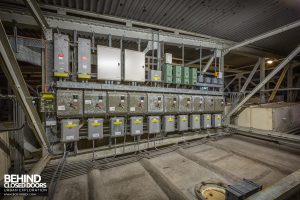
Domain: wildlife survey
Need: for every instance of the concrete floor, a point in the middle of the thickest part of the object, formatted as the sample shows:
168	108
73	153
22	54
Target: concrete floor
174	175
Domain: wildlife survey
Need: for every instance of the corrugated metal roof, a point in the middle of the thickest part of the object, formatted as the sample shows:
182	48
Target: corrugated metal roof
229	19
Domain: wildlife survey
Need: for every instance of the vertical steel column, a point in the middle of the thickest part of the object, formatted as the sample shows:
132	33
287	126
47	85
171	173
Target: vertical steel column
290	84
262	77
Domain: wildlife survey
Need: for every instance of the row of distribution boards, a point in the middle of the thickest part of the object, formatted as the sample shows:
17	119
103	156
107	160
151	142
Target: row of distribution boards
76	103
154	125
115	64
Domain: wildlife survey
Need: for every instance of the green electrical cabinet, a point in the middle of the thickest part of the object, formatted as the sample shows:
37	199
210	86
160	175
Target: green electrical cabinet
177	74
193	76
167	73
185	75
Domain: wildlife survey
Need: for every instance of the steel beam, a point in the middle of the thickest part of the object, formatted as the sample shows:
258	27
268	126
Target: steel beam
262	83
208	64
278	83
37	14
198	60
13	73
262	75
264	35
251	75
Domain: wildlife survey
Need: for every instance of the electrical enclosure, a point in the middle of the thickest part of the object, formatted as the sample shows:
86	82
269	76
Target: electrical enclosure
219	104
134	66
108	63
154	76
94	103
167	73
182	122
170	103
84	58
154	124
69	103
117	126
168	123
138	103
117	102
61	55
69	130
195	122
95	128
185	103
206	121
136	126
198	104
209	104
155	103
216	120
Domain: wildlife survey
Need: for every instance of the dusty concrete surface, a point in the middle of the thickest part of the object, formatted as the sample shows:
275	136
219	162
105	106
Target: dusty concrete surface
224	160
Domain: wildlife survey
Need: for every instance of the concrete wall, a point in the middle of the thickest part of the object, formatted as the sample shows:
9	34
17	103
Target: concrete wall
279	117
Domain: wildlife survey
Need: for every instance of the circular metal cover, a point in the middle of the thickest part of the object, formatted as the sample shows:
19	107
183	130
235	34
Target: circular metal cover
210	191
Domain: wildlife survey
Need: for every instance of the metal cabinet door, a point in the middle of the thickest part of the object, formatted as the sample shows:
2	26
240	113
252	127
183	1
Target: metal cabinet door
108	63
134	66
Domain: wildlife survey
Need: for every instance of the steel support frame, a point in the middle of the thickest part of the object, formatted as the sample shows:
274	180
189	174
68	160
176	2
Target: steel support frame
209	62
263	82
251	75
13	73
264	35
262	75
37	14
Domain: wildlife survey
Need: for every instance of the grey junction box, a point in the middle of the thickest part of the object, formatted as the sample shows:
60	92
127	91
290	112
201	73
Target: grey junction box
137	103
183	122
185	103
69	103
219	104
94	103
95	128
198	104
209	104
154	76
69	130
117	102
170	103
117	126
154	124
168	123
136	126
195	122
84	58
216	120
206	121
155	103
61	55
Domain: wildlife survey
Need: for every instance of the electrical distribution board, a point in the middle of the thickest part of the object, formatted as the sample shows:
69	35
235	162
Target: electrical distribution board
167	73
182	122
209	104
185	75
168	123
117	102
134	66
193	76
69	130
84	58
95	128
206	121
198	104
61	55
117	126
94	103
185	103
216	120
168	58
170	103
155	103
136	126
47	102
219	104
154	124
154	75
195	122
69	103
108	63
177	74
137	103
